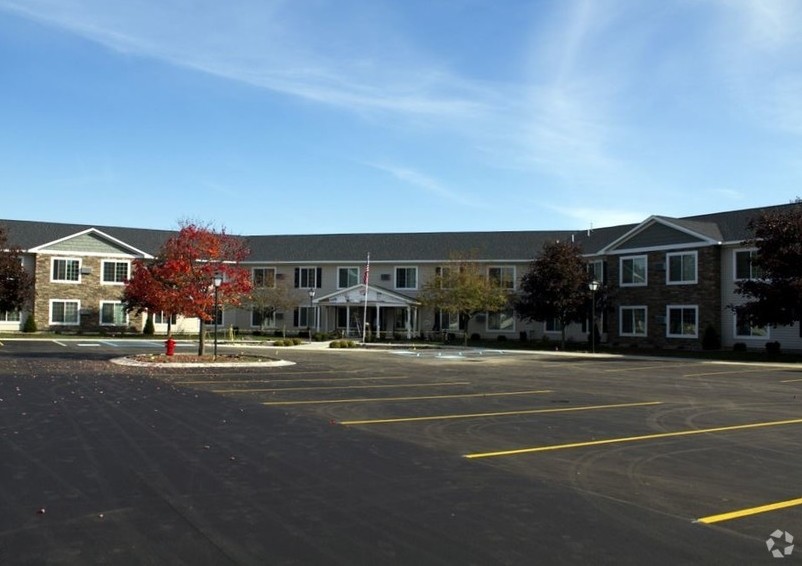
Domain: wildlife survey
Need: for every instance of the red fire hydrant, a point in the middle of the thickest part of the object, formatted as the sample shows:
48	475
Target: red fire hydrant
170	345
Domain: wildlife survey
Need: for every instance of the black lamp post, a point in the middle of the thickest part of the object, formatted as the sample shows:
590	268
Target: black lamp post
218	280
308	322
593	286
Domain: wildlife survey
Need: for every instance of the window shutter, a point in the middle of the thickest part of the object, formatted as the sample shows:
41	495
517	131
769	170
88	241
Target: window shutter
319	277
295	312
297	278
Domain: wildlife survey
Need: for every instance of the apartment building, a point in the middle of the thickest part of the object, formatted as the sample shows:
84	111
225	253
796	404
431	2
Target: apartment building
666	280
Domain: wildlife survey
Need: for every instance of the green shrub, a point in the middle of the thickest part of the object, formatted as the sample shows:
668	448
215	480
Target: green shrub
296	341
342	344
149	329
30	324
772	347
739	347
711	339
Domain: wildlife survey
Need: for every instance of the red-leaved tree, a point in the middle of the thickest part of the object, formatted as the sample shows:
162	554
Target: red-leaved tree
179	281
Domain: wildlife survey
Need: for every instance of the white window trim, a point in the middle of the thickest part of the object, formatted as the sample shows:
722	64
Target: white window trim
695	280
395	276
4	316
66	281
100	314
501	330
164	317
547	331
271	319
502	267
737	336
309	269
253	277
668	321
621	271
621	310
358	271
103	271
50	312
735	264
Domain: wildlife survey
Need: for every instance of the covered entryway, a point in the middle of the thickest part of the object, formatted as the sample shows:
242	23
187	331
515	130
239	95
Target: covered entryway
389	314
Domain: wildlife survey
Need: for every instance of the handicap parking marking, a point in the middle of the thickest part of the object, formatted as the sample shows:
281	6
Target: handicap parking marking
709	520
656	436
498	414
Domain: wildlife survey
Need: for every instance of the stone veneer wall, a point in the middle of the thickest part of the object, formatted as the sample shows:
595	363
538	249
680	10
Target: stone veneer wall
89	291
657	295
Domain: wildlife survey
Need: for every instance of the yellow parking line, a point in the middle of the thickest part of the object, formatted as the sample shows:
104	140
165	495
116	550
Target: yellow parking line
499	414
629	439
310	380
379	399
724	372
747	512
318	388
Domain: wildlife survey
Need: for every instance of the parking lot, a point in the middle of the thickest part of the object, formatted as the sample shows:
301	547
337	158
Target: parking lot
417	456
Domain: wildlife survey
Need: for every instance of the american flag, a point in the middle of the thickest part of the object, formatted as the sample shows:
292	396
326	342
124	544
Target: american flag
366	275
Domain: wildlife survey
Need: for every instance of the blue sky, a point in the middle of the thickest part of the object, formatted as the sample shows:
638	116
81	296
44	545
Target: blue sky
333	116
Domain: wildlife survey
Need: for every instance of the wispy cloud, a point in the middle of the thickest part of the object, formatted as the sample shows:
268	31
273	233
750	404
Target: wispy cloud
262	43
427	183
757	45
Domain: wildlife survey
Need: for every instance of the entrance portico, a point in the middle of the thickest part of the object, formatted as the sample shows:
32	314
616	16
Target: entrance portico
388	312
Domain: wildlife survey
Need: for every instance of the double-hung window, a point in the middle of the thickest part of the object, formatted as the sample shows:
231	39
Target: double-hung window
263	318
683	321
501	321
112	313
681	268
65	270
304	317
307	277
406	277
503	276
65	312
596	269
10	316
633	321
115	272
347	277
552	325
633	271
264	277
744	265
743	329
162	318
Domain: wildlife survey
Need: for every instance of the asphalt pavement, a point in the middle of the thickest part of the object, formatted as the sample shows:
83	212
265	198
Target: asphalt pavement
396	457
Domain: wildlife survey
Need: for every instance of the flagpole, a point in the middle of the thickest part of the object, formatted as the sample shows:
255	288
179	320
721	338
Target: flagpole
366	279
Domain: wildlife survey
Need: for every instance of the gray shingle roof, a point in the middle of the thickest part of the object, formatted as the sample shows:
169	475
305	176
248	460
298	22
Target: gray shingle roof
432	246
28	234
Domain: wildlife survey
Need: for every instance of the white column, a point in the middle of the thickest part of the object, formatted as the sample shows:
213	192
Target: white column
348	320
376	327
409	323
